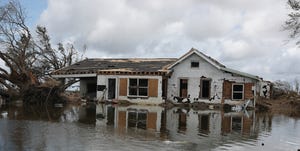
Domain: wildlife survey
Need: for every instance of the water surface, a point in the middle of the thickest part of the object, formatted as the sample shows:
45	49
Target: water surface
108	127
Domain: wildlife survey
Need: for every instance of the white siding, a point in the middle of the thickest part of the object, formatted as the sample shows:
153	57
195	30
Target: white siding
184	70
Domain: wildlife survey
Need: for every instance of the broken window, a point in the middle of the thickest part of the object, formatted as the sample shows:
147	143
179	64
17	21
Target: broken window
138	87
194	64
237	91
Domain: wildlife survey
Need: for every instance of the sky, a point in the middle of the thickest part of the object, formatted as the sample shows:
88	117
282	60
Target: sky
245	35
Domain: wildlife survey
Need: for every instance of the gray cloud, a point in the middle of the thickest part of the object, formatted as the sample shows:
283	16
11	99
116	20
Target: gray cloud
244	35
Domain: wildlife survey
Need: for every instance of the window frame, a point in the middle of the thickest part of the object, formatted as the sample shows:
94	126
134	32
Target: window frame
242	92
138	87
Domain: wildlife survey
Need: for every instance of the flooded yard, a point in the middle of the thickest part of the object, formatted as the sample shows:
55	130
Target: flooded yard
109	127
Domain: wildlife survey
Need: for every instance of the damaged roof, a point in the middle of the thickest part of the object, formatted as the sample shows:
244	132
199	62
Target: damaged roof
95	65
144	66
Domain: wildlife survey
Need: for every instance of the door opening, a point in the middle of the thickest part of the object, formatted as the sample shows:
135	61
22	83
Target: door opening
205	88
111	88
183	88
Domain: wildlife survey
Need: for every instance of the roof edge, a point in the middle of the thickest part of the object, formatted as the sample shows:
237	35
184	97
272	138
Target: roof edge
241	73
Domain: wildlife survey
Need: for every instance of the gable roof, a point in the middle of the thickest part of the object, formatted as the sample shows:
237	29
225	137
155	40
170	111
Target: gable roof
213	62
209	59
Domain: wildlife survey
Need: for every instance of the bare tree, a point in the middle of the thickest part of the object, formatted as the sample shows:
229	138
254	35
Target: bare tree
292	24
17	48
28	60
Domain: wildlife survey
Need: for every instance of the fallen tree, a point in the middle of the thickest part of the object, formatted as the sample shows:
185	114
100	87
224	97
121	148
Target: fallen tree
29	60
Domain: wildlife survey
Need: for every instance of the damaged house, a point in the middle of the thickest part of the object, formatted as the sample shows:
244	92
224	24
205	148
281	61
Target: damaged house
194	76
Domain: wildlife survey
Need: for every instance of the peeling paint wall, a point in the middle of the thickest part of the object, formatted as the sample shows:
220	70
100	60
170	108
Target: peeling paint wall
183	70
265	89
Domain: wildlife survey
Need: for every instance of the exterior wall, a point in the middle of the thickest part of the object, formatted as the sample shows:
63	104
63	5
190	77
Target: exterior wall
183	70
154	83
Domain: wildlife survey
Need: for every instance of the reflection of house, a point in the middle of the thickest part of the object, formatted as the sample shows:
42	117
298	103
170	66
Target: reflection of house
195	76
193	124
204	127
147	118
237	122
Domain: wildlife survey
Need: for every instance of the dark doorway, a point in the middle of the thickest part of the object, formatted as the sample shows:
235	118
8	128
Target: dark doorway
205	88
164	87
183	88
91	90
111	88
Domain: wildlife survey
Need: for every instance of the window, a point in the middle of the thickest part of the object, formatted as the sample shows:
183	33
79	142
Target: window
194	64
138	87
237	91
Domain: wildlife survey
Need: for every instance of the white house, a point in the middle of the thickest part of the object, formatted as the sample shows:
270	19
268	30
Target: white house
194	76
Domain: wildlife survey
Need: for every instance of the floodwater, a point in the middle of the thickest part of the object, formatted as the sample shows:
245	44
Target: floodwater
107	127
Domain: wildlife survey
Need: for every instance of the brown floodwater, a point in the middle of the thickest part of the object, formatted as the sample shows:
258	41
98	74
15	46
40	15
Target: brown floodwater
108	127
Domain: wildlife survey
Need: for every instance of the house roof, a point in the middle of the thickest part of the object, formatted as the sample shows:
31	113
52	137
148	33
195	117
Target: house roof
241	73
202	55
145	66
142	65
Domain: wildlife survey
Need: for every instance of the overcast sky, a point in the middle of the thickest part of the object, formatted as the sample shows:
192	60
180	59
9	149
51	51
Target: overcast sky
245	35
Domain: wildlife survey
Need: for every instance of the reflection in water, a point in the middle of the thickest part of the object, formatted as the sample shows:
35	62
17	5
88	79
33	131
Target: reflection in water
141	128
181	120
131	117
110	115
137	118
87	114
203	123
33	112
